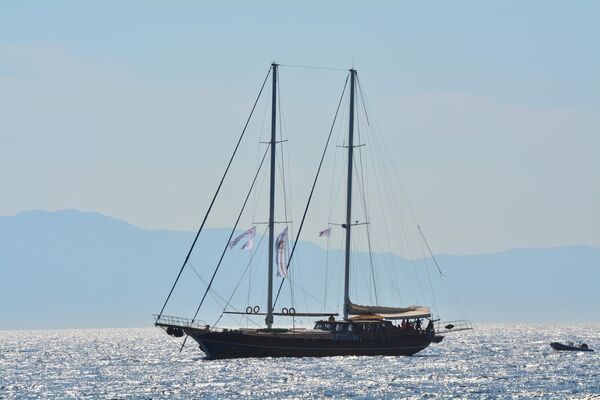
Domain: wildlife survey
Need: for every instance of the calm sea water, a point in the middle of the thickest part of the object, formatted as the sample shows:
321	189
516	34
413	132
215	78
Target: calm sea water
493	361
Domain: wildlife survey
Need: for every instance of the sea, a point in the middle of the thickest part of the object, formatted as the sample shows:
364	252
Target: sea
490	362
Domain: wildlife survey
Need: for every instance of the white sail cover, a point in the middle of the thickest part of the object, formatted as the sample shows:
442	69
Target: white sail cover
390	312
419	312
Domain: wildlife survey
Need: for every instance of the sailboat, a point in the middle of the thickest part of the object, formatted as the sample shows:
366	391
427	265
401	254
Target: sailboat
362	330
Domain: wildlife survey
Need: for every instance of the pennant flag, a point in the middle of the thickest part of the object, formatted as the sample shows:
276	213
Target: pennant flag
249	244
250	232
280	245
325	232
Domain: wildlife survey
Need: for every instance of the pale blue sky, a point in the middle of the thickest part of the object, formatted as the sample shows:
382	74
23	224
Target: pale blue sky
130	108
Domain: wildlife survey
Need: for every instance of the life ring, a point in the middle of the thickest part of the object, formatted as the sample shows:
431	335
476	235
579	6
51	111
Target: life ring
248	310
292	310
256	309
284	311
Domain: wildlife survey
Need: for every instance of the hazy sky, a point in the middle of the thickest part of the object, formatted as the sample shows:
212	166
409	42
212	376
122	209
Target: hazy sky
492	110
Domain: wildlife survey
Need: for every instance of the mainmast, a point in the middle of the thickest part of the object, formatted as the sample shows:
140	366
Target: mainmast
269	318
348	223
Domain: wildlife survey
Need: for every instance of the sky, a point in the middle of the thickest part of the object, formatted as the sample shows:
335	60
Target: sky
491	111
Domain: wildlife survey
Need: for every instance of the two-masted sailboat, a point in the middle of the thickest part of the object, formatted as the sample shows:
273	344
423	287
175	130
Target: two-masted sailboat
362	330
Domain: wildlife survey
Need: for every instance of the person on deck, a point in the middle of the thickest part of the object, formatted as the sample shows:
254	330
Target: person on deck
429	328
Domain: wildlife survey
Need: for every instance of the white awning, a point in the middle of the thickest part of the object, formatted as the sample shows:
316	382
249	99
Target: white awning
420	312
390	312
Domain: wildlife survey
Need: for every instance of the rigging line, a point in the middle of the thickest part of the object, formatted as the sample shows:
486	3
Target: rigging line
220	298
396	208
215	196
362	100
386	175
370	247
385	218
338	265
397	175
430	252
313	67
231	317
454	299
281	158
246	270
427	268
228	240
299	287
362	190
444	281
329	218
262	125
231	234
326	271
281	164
406	198
334	194
312	190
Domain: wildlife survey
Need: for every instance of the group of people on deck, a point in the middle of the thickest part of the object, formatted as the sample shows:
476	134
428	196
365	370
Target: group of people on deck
416	325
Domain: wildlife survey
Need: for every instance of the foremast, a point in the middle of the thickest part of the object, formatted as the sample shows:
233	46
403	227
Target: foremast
269	317
348	223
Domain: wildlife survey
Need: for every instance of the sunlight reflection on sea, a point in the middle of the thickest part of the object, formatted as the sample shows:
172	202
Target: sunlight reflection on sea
493	361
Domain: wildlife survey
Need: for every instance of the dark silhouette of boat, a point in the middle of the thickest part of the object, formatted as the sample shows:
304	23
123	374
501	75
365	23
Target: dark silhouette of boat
437	338
338	338
569	347
363	331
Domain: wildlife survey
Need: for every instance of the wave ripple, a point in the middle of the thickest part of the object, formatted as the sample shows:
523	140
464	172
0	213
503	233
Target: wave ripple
494	361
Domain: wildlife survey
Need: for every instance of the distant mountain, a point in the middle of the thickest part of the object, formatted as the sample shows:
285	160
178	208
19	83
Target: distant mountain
78	269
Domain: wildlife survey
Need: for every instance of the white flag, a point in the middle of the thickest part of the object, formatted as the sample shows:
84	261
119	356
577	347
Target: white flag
280	244
325	232
249	244
250	232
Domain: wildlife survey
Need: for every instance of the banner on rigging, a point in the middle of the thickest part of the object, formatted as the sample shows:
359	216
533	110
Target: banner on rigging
280	245
325	232
249	244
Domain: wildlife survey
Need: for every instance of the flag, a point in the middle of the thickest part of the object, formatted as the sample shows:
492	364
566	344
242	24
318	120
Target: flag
280	245
250	232
249	244
325	232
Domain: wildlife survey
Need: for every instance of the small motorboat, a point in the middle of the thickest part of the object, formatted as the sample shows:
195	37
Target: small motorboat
570	347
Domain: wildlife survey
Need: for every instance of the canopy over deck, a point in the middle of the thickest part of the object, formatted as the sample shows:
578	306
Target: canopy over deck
389	312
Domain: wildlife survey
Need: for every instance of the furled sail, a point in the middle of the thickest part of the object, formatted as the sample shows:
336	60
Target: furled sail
390	312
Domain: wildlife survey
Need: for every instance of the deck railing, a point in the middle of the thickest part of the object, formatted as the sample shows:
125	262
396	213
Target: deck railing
453	326
178	321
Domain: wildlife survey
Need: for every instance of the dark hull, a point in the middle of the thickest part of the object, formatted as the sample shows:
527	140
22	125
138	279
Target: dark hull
564	347
240	344
437	338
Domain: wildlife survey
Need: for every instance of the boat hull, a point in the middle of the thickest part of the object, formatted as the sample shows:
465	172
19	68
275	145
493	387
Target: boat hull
563	347
241	344
437	338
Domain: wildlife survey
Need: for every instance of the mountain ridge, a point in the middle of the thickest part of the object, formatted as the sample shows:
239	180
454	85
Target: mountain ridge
69	268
